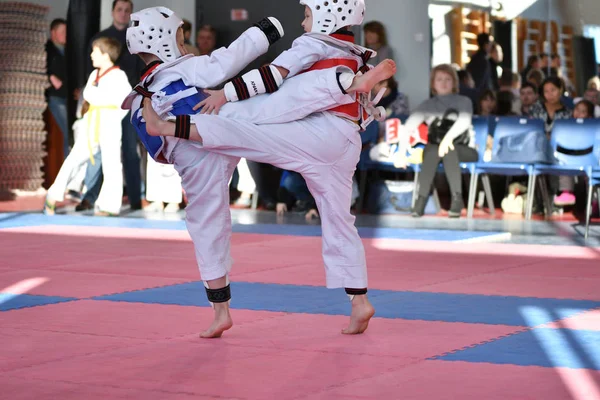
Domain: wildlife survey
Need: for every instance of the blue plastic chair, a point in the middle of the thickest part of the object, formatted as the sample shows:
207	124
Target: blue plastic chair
576	147
508	126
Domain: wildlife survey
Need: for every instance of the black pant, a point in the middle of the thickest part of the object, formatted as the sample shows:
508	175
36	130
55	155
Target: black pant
452	160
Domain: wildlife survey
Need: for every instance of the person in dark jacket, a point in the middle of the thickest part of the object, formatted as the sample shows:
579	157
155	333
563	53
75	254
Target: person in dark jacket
56	69
479	66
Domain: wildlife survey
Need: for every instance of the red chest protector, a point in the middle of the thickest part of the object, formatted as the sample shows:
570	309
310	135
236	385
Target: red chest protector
351	111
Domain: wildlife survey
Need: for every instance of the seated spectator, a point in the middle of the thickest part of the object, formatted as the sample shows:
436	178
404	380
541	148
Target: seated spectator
594	83
505	104
293	194
533	62
528	96
376	39
511	82
591	96
549	109
584	109
393	101
448	115
550	106
486	104
536	77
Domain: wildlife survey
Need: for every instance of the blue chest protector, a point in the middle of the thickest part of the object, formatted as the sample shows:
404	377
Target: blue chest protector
154	144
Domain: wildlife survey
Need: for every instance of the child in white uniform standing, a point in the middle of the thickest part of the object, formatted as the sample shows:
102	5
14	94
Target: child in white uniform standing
105	90
323	147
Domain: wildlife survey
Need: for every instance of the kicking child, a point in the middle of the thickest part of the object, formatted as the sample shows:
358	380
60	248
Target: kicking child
323	147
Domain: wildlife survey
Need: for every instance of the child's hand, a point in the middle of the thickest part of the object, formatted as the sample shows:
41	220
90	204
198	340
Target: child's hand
213	102
281	209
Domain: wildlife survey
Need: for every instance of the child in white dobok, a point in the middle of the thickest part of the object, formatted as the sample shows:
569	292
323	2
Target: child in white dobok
105	90
324	147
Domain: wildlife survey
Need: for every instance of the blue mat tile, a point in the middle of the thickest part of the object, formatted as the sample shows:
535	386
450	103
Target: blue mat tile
477	309
10	301
542	347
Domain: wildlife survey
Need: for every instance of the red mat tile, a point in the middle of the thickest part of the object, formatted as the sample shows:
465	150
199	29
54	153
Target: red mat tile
385	337
54	256
133	320
83	284
578	269
459	380
524	286
29	347
27	389
214	368
155	266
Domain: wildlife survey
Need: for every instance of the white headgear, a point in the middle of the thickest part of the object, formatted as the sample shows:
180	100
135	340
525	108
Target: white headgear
154	31
331	15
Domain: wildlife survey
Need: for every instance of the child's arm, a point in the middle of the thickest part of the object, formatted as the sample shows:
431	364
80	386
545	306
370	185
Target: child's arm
305	51
226	62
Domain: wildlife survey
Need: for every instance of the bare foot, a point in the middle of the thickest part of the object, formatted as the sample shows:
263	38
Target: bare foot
362	311
221	323
365	83
153	122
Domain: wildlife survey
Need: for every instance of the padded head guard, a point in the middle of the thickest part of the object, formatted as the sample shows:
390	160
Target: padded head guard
154	31
331	15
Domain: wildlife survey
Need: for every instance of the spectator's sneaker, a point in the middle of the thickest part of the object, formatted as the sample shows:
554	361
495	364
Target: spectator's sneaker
49	207
565	199
172	208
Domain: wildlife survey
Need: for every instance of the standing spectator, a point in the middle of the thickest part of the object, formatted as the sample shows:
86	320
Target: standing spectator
466	86
376	39
496	57
479	66
132	66
56	68
206	40
187	35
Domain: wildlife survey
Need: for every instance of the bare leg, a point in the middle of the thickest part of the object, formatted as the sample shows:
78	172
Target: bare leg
364	83
222	321
362	312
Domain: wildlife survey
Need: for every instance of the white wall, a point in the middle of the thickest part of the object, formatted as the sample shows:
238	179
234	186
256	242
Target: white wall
184	8
58	8
407	24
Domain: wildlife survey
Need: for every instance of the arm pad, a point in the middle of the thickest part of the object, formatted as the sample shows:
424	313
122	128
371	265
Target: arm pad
266	79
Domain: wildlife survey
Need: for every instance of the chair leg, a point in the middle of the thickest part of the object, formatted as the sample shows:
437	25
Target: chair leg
415	190
436	200
255	200
546	197
530	196
588	210
472	193
487	187
361	191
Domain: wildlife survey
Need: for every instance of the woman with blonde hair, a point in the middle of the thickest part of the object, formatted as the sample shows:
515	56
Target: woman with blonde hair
450	141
